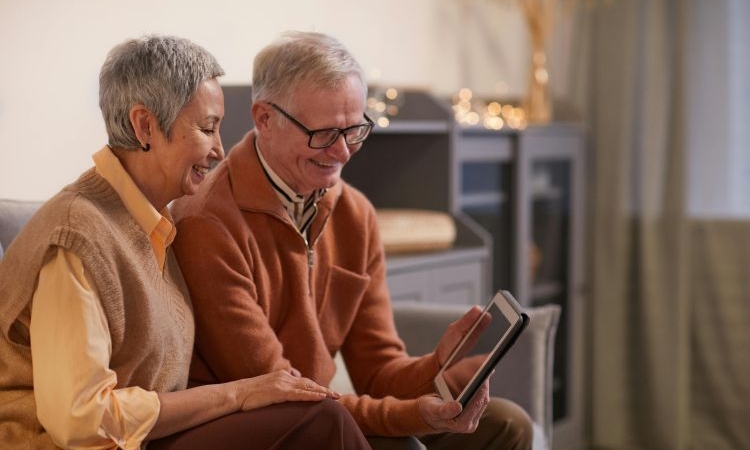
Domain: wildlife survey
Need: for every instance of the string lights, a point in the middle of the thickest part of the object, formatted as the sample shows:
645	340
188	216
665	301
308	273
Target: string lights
383	104
469	111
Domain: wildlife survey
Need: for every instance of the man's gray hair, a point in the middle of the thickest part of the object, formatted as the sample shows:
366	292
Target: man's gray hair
297	57
160	72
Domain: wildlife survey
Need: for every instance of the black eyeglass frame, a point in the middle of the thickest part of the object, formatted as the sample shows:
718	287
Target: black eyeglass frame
339	131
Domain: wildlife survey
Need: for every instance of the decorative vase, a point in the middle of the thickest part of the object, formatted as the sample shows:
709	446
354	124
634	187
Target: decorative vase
537	104
540	19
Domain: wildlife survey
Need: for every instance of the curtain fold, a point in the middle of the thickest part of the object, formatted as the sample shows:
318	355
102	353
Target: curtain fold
639	312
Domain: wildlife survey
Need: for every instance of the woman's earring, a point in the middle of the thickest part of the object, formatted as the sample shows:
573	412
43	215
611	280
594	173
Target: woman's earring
146	147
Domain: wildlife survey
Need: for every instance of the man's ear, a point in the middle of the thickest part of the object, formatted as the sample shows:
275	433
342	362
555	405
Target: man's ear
261	113
141	121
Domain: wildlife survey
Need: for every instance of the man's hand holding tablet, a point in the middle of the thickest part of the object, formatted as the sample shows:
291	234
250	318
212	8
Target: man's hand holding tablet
492	332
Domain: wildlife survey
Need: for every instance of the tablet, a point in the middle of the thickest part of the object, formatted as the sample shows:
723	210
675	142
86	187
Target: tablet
477	354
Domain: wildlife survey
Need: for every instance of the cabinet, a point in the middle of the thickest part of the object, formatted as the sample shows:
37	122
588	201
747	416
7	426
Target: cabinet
525	188
448	277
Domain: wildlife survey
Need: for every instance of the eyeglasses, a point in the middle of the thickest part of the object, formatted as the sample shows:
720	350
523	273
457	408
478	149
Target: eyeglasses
325	137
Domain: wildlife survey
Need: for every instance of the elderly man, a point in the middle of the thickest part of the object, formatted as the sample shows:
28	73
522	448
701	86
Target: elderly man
285	265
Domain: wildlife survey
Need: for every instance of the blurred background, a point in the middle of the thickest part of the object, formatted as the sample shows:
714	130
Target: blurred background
661	89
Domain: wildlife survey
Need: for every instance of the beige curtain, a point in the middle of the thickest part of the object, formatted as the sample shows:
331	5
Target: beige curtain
639	313
720	362
669	301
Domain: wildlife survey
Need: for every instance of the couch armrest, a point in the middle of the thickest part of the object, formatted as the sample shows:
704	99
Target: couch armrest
524	375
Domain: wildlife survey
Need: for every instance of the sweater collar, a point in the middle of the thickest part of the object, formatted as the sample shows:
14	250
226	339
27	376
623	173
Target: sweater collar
301	209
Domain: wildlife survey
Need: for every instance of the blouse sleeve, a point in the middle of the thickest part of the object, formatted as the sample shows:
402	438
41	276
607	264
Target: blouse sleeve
74	389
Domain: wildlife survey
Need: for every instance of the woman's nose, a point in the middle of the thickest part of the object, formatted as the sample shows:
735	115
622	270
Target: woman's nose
218	149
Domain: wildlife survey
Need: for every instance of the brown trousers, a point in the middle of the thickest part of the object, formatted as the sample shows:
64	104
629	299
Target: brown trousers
294	425
503	426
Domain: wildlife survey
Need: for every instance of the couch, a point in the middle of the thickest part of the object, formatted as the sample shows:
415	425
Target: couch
524	375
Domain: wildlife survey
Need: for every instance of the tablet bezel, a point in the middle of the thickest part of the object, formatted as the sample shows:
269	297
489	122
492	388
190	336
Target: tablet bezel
512	311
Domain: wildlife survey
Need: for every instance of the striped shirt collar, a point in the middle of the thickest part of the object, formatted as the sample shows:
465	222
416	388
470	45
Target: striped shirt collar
301	210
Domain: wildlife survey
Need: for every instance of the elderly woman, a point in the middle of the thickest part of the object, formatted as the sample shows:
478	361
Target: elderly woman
97	328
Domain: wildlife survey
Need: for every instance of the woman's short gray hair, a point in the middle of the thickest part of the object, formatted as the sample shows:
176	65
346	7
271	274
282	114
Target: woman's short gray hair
297	57
160	72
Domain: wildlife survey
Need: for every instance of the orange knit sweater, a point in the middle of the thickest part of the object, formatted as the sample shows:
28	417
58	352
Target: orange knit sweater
264	301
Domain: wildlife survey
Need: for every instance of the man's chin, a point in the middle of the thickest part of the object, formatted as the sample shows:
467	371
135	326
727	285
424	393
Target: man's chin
327	182
333	182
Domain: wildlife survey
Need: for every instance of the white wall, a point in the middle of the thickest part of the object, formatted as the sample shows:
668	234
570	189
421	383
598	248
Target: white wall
51	52
718	98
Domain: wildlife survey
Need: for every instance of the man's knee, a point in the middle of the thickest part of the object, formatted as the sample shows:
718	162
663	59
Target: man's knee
504	425
511	424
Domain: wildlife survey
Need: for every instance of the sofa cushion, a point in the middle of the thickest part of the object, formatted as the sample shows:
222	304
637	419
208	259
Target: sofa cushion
13	216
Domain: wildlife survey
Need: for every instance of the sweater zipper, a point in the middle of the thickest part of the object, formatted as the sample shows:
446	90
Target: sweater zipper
310	262
311	259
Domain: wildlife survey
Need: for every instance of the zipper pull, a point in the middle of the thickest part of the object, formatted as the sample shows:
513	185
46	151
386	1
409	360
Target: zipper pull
309	270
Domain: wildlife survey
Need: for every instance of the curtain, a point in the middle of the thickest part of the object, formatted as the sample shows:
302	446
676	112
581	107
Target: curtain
639	316
720	362
668	304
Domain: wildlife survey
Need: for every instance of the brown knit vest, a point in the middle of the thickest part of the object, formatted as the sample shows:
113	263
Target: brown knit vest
149	315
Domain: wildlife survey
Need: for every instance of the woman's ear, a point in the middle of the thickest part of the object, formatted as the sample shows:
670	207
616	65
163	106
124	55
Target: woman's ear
140	120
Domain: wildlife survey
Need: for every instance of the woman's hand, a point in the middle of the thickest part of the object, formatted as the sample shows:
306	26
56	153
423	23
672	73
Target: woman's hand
277	387
184	409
